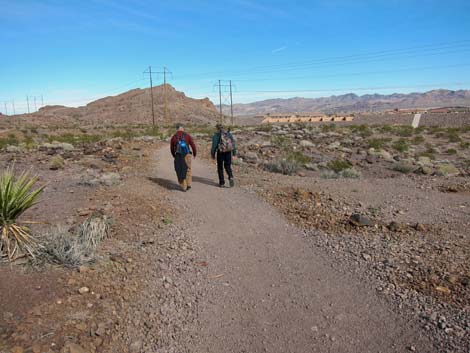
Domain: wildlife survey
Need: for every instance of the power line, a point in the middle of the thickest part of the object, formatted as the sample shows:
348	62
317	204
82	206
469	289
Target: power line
165	95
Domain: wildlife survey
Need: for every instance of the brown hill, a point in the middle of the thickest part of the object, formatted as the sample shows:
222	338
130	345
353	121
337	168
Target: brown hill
132	107
349	103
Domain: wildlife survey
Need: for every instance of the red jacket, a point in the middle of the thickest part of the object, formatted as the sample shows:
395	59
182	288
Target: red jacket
187	137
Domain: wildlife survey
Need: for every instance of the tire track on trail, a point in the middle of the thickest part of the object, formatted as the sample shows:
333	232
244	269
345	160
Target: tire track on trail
265	289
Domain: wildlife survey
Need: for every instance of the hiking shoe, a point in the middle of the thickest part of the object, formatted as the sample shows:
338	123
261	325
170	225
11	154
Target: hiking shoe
232	183
221	185
188	187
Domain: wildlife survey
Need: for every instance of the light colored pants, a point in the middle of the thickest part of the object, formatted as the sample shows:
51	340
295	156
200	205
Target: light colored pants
189	178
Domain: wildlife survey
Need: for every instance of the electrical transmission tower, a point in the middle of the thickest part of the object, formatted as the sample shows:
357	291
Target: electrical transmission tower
165	72
225	97
165	93
149	72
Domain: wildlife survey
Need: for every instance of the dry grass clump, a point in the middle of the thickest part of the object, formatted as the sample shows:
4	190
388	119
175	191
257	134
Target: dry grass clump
61	247
16	196
283	166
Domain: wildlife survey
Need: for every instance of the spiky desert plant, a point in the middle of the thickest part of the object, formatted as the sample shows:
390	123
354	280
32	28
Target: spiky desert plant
16	196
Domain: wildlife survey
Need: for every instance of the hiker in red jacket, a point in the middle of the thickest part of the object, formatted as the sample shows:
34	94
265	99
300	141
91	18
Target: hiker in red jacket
180	150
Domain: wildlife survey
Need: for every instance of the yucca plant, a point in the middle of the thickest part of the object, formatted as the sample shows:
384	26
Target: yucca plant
16	196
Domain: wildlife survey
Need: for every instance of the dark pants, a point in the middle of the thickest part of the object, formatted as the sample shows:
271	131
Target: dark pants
224	161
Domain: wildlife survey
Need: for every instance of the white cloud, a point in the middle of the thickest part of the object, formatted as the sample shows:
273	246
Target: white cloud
277	50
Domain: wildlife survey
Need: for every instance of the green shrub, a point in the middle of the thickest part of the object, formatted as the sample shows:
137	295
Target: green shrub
378	143
338	165
298	157
282	142
9	140
404	130
328	127
401	145
362	130
349	173
464	145
451	151
16	196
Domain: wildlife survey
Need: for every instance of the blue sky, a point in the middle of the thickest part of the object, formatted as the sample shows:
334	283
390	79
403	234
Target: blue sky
72	52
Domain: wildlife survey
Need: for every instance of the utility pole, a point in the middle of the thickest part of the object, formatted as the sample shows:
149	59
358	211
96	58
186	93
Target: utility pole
6	110
35	107
165	93
27	102
151	92
220	102
231	103
13	105
42	101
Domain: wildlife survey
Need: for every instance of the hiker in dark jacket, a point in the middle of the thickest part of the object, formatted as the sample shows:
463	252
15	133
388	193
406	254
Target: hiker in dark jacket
180	150
224	147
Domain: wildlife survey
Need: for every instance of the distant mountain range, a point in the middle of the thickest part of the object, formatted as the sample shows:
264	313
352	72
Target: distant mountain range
350	103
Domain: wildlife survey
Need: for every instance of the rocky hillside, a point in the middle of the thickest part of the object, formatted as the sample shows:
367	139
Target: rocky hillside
354	103
132	107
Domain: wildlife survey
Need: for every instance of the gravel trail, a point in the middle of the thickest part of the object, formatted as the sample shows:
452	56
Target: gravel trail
265	289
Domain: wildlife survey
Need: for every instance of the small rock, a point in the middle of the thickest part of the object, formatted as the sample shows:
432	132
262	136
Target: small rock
17	349
306	143
84	290
360	220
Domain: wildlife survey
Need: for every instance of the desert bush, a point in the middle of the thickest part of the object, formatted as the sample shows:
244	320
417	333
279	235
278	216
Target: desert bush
338	165
75	139
57	162
404	168
464	145
328	127
404	130
9	140
451	151
282	166
62	248
401	145
298	157
59	246
362	130
378	143
282	142
385	129
16	196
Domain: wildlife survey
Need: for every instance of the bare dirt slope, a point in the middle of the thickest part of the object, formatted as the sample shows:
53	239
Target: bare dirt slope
266	289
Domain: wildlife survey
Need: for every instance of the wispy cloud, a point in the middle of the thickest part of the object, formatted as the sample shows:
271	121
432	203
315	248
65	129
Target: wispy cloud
277	50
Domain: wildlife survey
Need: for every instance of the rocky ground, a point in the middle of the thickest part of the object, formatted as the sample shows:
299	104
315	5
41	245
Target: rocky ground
133	296
404	229
389	204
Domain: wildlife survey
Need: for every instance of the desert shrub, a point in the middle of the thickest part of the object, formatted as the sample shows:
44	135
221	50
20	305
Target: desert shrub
464	145
338	165
16	196
57	162
401	145
282	166
298	157
378	143
9	140
153	131
429	152
403	168
404	130
386	129
63	248
125	134
453	136
328	127
362	130
282	142
451	151
59	246
265	127
29	142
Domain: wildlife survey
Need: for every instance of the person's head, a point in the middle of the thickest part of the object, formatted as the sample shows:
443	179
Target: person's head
219	127
179	127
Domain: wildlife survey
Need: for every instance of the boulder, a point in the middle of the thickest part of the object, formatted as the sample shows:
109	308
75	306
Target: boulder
110	179
360	220
251	157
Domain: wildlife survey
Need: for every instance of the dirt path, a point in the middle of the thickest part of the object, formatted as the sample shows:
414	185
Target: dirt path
267	289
